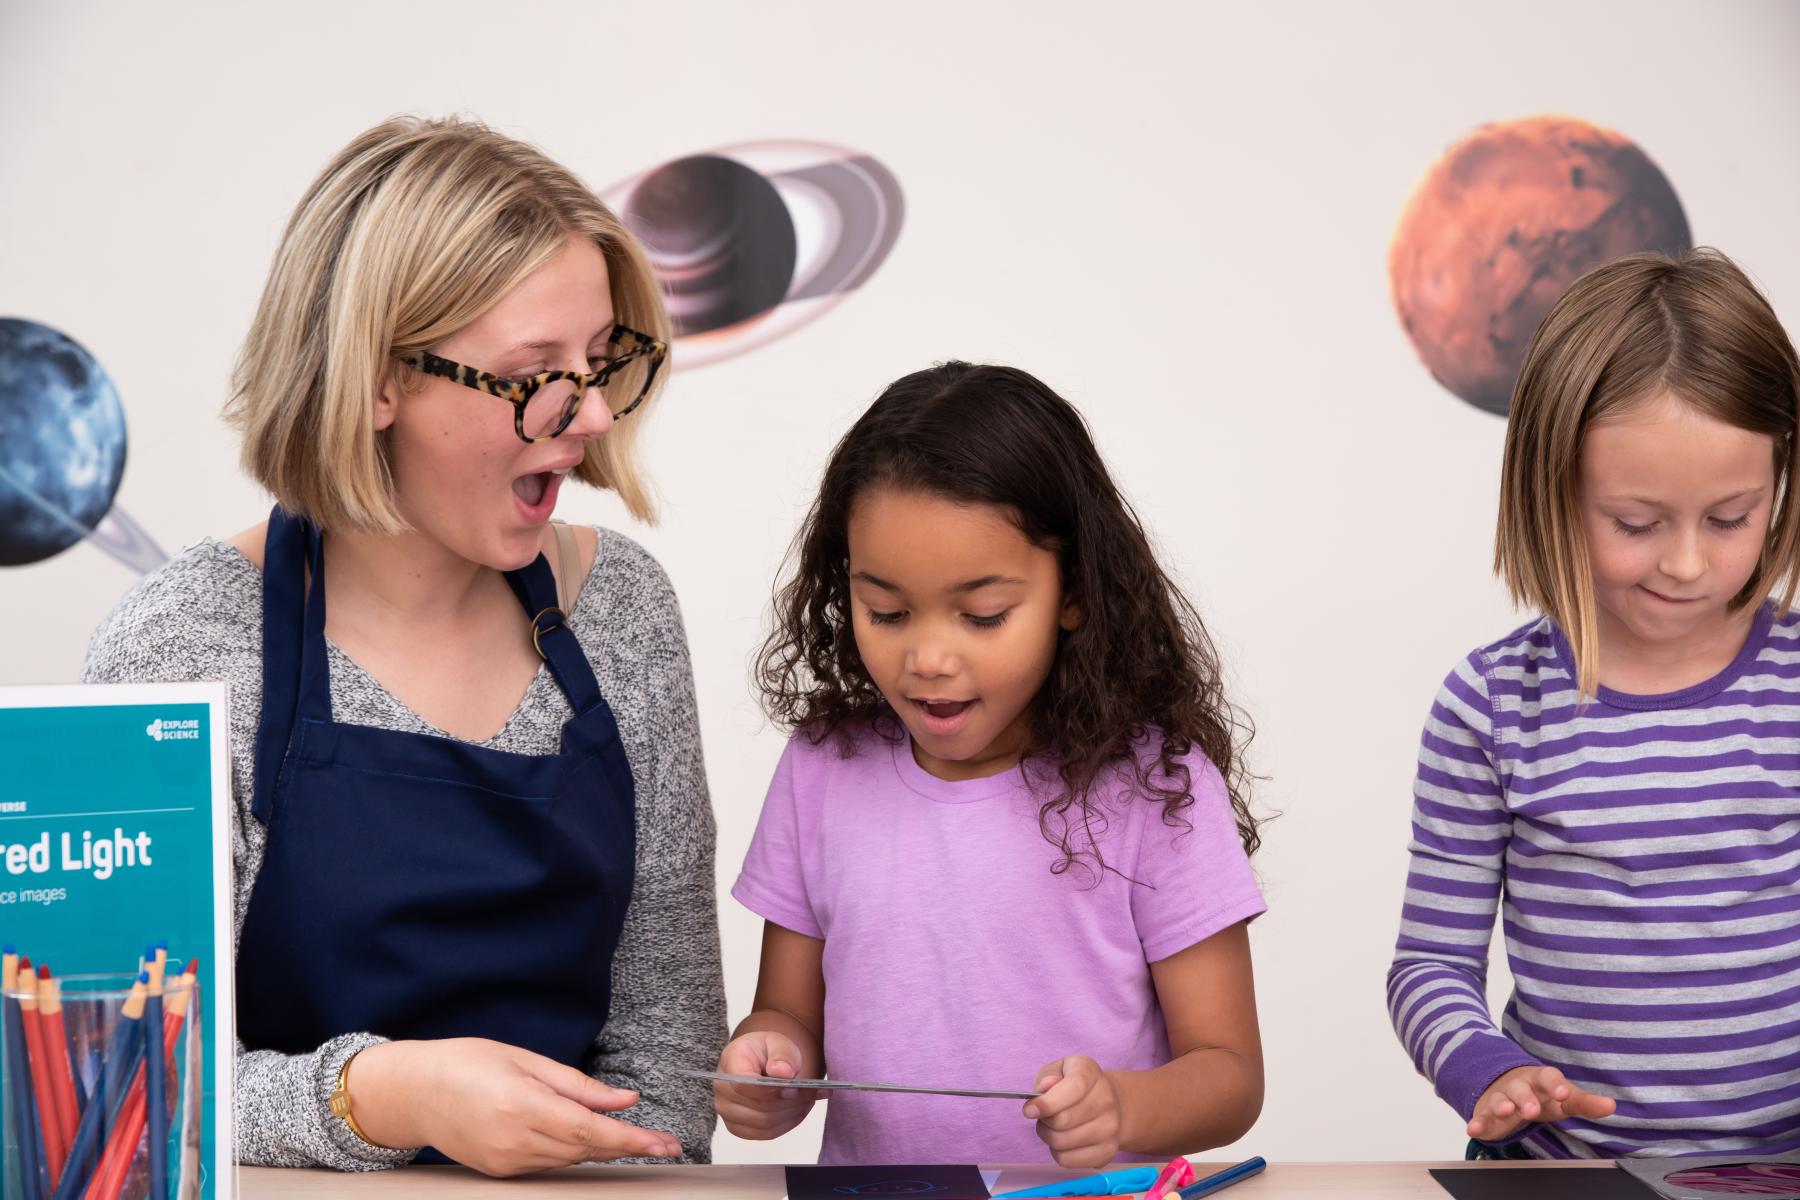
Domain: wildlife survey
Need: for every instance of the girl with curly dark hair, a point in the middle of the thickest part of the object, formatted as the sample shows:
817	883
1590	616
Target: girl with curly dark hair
1009	839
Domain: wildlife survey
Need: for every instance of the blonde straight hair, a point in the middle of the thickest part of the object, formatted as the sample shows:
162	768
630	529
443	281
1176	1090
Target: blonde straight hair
1693	326
414	230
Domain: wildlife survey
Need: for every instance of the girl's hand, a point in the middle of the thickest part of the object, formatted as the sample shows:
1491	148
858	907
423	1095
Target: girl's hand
493	1107
1527	1094
1078	1115
761	1113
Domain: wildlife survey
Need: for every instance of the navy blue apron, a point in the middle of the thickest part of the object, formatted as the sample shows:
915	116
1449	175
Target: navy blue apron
420	887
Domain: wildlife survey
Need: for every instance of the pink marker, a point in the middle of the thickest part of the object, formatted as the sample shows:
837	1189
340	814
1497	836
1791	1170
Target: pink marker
1178	1174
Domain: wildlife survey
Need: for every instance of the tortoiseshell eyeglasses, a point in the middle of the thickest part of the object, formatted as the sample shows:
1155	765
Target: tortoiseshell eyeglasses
545	403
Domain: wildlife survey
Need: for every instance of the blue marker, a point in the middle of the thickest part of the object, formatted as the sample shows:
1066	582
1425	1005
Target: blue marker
1110	1183
1223	1179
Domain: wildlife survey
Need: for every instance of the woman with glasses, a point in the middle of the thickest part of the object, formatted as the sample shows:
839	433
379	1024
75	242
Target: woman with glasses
474	847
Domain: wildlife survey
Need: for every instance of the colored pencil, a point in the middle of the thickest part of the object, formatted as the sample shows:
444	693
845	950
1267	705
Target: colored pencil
11	1184
120	1068
156	1080
186	1006
88	1138
56	1055
179	1010
75	1056
43	1093
33	1176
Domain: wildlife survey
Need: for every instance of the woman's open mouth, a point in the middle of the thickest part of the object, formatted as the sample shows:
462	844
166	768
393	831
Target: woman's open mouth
536	493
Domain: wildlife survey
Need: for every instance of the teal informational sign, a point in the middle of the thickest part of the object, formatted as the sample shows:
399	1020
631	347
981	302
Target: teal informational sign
115	834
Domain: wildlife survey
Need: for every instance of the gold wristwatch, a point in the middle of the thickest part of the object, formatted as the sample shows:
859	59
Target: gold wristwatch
340	1100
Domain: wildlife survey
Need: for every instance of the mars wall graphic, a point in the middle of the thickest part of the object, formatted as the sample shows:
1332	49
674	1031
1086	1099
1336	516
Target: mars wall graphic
1501	225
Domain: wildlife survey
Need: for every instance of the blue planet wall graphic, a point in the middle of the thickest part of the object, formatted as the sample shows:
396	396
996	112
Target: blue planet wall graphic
754	240
62	451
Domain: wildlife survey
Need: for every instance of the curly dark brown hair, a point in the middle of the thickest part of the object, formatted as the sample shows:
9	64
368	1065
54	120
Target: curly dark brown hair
1140	664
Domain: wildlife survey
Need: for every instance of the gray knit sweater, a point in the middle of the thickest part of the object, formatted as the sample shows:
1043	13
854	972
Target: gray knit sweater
199	617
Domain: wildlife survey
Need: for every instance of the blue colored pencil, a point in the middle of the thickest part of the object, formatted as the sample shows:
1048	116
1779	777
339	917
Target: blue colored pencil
11	1184
34	1167
111	1082
123	1058
155	1102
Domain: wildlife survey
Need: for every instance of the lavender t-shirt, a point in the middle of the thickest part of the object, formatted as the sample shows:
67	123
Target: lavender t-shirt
955	958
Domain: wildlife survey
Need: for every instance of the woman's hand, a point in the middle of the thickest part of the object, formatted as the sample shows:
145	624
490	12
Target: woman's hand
493	1107
1078	1115
1527	1094
761	1113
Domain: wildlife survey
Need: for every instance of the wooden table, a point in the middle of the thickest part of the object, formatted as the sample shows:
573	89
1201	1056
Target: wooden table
1344	1181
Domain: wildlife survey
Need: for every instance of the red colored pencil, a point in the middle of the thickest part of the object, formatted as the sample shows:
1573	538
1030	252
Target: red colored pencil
56	1143
56	1046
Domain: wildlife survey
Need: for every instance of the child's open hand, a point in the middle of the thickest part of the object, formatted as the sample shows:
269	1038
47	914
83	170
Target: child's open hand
1527	1094
1078	1114
761	1113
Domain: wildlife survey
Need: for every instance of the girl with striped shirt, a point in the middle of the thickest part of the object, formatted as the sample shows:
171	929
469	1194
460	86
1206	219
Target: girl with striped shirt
1620	777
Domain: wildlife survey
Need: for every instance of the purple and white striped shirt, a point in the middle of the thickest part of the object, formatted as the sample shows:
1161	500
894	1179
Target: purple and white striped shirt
1645	854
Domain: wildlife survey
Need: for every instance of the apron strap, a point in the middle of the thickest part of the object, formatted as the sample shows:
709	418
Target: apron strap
315	661
556	643
283	578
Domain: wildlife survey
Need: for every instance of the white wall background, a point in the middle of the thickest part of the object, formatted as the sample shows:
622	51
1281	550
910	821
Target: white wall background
1212	185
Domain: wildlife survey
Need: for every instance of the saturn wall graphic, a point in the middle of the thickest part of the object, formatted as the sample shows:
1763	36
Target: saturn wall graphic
753	241
1501	225
750	242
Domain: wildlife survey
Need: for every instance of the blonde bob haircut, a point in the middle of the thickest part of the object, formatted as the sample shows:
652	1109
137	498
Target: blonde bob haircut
1693	326
414	230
